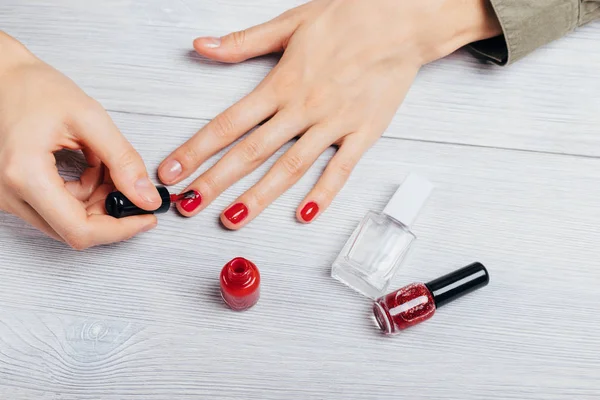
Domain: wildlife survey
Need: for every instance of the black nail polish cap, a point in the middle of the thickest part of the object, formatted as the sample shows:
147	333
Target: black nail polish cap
458	283
119	206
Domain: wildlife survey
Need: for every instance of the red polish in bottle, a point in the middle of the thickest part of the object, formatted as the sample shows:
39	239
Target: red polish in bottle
236	213
191	200
404	308
417	302
240	284
309	211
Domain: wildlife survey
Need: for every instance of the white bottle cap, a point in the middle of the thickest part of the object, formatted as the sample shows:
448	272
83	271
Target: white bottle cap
408	200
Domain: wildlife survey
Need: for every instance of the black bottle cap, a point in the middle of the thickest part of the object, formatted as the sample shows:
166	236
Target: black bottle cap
119	206
458	283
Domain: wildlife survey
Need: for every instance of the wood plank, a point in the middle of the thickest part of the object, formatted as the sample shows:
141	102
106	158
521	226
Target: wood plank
70	356
135	56
531	218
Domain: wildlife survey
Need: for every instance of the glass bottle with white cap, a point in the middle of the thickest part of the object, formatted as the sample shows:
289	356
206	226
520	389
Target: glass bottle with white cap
379	244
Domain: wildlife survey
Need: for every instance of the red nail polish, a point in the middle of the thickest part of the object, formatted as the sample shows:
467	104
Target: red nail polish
417	302
240	284
236	213
190	200
404	308
309	211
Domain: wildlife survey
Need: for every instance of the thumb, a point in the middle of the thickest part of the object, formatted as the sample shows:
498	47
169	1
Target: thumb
127	170
266	38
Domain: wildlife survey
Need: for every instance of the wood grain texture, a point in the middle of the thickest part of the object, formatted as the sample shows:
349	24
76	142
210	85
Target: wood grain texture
136	56
144	318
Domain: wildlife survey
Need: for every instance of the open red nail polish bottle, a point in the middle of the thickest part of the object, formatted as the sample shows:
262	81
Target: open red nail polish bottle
240	284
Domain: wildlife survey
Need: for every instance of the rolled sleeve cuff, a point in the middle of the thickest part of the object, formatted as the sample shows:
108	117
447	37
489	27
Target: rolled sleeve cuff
527	25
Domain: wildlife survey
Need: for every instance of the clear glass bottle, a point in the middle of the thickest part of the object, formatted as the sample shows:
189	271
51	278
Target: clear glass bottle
380	243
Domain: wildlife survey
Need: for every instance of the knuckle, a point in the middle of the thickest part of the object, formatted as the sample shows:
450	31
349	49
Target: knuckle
78	245
12	176
91	107
78	239
327	192
293	164
223	126
209	185
287	14
285	80
68	127
130	235
238	38
251	150
128	159
344	168
316	98
189	155
260	199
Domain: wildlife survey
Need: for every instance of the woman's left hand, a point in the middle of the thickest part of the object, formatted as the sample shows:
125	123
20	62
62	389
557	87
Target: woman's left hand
346	68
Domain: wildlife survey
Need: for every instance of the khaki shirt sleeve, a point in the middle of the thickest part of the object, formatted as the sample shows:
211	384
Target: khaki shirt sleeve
529	24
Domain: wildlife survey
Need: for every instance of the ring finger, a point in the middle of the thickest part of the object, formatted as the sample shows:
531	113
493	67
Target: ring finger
334	178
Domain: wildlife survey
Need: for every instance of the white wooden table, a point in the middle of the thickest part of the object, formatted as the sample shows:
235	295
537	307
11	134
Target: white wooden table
513	153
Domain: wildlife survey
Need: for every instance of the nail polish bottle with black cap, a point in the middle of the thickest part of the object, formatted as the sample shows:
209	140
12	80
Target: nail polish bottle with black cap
417	302
119	206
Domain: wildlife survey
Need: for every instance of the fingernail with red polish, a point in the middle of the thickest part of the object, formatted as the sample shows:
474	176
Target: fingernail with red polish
309	211
191	202
236	213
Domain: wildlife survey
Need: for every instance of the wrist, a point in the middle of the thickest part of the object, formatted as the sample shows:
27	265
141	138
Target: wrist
479	21
461	22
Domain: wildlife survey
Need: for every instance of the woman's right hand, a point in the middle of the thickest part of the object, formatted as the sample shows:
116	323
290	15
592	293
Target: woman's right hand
42	112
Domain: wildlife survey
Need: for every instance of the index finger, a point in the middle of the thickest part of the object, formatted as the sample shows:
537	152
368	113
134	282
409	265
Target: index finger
100	136
219	133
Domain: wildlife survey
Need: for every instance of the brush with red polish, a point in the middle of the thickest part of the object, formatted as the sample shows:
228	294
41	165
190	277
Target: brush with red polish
119	206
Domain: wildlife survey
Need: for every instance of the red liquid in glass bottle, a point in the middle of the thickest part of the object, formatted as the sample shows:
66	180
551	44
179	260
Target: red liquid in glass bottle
240	281
417	302
404	308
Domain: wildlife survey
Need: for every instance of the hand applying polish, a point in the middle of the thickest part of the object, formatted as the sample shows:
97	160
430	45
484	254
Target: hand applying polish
42	112
346	68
